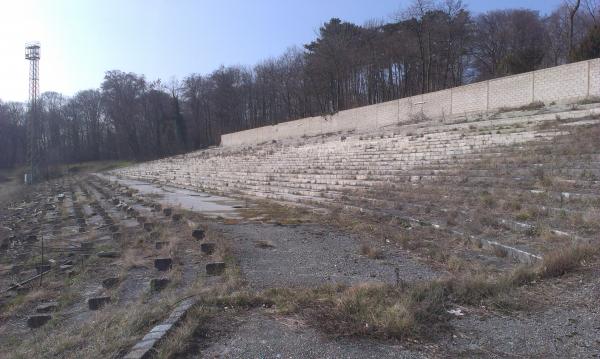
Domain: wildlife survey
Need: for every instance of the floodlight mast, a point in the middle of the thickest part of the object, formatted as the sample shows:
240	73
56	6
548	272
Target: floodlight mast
32	53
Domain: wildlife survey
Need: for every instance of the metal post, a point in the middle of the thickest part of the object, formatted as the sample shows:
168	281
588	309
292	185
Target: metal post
42	262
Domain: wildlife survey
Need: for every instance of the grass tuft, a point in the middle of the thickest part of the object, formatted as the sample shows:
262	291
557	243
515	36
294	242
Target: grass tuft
373	253
565	260
265	244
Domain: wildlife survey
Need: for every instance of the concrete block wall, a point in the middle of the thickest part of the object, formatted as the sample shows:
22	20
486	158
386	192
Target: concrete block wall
511	91
594	77
561	83
437	104
387	113
565	83
470	98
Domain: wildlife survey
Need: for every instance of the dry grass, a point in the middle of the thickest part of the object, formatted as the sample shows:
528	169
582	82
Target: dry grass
111	331
371	252
265	244
276	212
537	105
565	260
177	343
456	264
411	310
499	252
589	100
21	301
374	310
387	311
383	311
134	258
107	334
524	215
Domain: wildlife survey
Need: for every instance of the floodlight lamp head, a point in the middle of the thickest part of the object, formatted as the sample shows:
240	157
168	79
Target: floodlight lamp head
32	50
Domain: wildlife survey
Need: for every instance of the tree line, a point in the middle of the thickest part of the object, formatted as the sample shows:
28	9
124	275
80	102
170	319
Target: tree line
429	46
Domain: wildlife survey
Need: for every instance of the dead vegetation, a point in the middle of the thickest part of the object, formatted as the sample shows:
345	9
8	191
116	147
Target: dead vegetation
176	344
75	332
108	334
265	244
418	310
562	261
537	105
589	100
277	213
371	252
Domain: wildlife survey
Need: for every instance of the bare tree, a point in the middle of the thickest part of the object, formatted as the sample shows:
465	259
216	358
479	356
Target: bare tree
572	14
431	45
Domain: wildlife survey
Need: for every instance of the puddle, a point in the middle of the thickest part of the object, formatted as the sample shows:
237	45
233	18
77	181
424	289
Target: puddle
205	203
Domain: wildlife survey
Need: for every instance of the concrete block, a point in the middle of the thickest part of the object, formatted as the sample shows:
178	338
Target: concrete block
158	284
149	226
36	321
198	233
207	248
163	264
98	302
109	283
46	307
42	268
160	245
108	254
215	268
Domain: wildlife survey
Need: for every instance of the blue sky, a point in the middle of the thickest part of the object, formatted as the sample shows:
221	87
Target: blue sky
81	39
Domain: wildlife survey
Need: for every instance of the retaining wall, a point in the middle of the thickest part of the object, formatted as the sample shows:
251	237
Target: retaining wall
565	83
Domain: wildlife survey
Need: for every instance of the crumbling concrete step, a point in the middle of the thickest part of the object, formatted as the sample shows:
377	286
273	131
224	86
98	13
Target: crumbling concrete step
145	347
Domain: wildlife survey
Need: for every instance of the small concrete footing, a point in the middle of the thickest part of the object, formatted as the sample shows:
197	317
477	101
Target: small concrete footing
198	233
215	268
163	264
158	284
98	302
207	248
36	321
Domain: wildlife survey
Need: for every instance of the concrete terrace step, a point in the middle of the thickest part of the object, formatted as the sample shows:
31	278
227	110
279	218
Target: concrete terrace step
504	152
332	180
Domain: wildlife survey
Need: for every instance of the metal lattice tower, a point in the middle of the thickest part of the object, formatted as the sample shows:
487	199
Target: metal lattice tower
32	53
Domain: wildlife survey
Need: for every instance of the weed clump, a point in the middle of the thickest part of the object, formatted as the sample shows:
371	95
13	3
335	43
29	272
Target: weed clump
373	253
265	244
536	105
380	310
562	261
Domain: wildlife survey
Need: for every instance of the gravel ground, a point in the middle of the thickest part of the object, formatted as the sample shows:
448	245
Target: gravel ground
312	255
261	334
563	323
